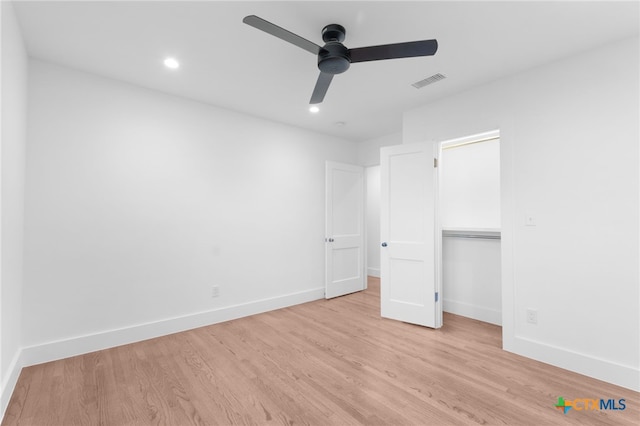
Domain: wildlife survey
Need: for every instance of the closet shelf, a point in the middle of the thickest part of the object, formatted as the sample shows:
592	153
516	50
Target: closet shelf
479	233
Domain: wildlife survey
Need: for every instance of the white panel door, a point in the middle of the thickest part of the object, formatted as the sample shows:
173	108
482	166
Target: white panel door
409	286
344	238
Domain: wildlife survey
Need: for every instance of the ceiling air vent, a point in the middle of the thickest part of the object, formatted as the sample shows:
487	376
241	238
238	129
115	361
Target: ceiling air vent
436	77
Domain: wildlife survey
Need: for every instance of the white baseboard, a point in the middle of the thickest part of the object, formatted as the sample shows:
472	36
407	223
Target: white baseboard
468	310
9	383
607	371
79	345
373	272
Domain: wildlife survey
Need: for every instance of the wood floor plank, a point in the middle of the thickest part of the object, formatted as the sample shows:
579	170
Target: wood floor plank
333	362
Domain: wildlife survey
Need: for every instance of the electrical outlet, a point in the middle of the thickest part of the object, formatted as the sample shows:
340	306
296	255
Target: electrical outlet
215	291
532	316
529	220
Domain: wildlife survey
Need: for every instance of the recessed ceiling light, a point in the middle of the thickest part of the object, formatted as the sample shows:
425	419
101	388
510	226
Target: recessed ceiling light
171	63
314	109
339	123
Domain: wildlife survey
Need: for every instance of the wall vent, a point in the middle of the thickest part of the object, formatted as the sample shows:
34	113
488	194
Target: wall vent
436	77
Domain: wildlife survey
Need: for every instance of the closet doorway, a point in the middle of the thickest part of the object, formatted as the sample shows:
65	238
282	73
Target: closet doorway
469	212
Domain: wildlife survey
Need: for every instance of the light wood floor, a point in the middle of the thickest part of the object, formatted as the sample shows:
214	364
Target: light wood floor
322	363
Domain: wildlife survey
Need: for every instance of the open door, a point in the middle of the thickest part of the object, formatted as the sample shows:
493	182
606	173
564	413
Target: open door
409	280
344	238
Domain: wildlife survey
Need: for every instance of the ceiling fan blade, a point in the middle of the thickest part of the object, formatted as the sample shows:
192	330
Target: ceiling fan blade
393	51
281	33
320	90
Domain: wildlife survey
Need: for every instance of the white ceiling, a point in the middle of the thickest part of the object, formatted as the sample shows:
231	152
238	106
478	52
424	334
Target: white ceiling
227	63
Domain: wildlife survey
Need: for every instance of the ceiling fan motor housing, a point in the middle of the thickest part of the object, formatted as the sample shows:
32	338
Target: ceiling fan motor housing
334	58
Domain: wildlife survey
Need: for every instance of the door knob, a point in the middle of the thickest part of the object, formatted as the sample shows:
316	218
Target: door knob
330	240
384	244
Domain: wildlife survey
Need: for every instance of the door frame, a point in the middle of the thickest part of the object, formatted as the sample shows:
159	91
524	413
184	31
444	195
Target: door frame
437	226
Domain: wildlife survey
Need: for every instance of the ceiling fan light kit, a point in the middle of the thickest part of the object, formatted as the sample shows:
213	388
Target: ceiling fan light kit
334	57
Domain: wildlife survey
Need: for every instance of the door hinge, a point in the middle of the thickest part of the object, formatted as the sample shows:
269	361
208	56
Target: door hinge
436	296
435	162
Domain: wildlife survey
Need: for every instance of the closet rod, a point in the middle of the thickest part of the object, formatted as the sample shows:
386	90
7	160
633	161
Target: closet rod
473	236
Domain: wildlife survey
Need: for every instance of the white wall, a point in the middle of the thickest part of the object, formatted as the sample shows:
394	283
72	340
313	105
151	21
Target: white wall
372	176
369	156
470	186
139	202
569	153
13	104
369	150
471	282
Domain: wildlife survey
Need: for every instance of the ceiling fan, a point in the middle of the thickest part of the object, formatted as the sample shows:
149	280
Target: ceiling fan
334	58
